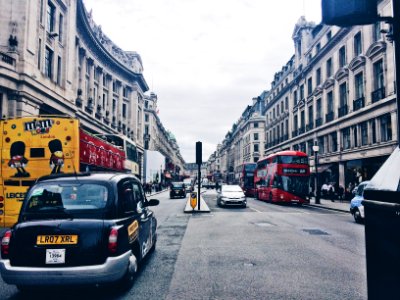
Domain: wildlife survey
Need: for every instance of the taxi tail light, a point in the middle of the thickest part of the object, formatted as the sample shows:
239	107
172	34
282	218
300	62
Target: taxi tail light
5	243
112	240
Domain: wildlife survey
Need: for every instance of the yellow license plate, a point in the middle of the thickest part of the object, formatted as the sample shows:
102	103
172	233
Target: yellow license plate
65	239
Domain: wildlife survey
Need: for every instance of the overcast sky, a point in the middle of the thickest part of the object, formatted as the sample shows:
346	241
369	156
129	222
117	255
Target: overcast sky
205	59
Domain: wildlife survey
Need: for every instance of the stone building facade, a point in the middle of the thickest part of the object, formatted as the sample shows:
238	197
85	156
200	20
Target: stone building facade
56	61
336	91
157	138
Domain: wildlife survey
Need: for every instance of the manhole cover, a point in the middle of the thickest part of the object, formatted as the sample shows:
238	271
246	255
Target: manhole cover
315	232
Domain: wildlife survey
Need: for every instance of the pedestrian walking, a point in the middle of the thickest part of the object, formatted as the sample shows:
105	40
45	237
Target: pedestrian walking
331	192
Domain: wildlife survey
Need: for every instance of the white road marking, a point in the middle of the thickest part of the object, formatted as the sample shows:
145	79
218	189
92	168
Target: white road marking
255	209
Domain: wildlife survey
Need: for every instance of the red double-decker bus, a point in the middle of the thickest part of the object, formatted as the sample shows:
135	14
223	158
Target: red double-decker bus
283	177
246	179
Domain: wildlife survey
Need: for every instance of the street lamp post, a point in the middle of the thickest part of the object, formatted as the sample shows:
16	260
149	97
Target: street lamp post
317	189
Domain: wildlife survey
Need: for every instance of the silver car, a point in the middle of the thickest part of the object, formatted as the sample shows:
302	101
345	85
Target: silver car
231	195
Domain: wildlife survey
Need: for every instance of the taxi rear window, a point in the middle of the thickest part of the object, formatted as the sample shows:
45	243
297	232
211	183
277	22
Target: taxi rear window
67	197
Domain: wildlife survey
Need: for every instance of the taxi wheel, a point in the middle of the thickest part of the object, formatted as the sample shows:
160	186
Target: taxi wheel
127	280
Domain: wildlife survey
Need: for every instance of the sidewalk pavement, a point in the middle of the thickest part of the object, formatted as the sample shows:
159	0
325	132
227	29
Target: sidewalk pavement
338	205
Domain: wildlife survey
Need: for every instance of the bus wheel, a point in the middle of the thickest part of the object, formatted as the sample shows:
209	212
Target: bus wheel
270	197
256	196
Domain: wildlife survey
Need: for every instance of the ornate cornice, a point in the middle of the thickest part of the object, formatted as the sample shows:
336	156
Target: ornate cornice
341	73
357	62
100	53
375	49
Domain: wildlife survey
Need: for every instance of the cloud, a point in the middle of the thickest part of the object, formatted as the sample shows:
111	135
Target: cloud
205	59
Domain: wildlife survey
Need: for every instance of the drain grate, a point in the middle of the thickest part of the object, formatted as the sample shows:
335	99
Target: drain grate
315	232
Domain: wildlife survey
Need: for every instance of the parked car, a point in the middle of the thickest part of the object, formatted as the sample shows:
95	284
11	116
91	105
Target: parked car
356	207
79	229
177	189
231	195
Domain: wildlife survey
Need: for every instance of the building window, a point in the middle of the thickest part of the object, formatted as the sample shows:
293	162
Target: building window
343	95
59	70
378	75
41	11
125	92
51	10
48	64
287	103
60	28
329	106
295	122
256	148
114	105
333	140
255	125
359	85
342	56
364	133
105	81
318	47
346	138
124	112
310	116
146	117
376	32
373	126
318	76
294	98
386	128
329	67
105	100
355	135
256	136
357	44
319	108
301	92
39	62
328	35
321	145
309	86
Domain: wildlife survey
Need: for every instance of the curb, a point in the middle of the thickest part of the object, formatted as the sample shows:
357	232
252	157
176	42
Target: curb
328	208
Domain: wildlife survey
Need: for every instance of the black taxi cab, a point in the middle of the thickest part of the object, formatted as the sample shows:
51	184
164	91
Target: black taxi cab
79	229
177	189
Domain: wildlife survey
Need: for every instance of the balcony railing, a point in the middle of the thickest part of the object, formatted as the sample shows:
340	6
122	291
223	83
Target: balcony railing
318	122
378	94
310	126
329	117
342	111
358	104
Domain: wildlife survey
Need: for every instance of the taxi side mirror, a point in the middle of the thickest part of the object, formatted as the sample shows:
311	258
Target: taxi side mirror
152	202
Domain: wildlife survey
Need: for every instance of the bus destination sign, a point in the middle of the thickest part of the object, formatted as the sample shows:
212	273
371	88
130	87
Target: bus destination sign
294	170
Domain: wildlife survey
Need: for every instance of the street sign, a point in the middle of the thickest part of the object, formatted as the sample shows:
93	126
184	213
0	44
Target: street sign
193	199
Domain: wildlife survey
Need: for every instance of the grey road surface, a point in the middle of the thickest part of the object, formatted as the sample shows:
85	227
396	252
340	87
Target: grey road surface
264	251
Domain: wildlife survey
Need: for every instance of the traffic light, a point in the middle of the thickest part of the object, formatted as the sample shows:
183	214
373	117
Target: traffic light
199	159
